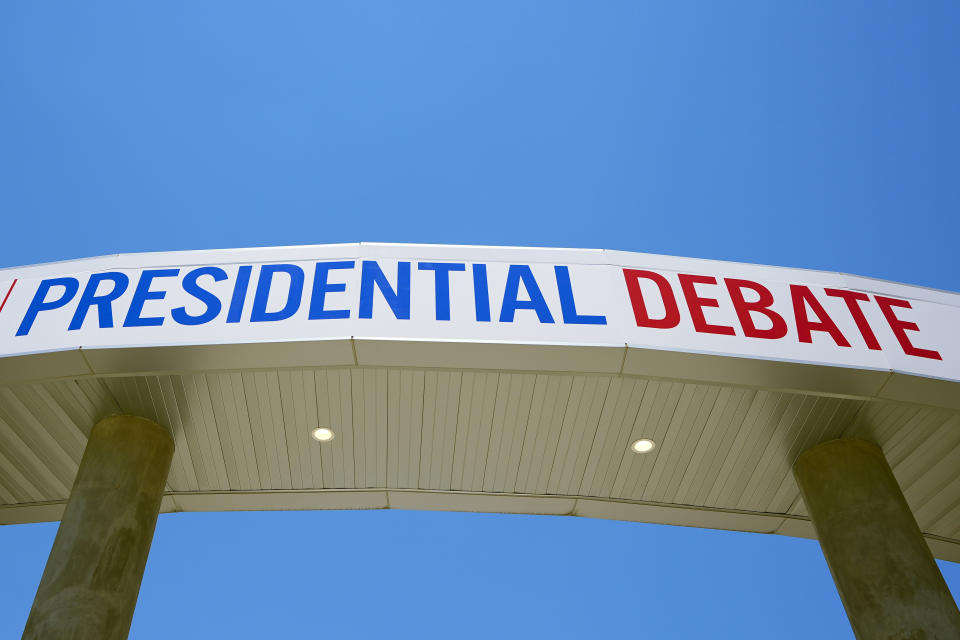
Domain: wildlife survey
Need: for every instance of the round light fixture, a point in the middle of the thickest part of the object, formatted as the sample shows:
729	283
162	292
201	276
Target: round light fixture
322	434
643	445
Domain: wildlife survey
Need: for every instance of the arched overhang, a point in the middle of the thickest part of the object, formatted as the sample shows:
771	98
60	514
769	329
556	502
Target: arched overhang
471	414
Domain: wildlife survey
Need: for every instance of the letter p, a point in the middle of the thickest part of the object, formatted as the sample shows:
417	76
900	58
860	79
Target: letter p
40	302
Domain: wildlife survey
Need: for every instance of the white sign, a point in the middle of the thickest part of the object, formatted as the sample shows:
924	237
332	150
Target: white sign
480	294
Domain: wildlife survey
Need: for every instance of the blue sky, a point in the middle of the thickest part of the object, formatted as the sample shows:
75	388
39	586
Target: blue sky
823	136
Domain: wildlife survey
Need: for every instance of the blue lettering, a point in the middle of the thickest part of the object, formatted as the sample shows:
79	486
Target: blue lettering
481	293
441	284
239	294
142	294
104	302
212	302
567	304
40	302
511	303
321	288
398	300
259	312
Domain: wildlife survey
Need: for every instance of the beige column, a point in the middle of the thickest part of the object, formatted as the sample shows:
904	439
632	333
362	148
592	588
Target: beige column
90	584
887	578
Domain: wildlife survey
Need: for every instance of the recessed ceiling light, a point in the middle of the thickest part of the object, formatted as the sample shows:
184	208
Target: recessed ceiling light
643	446
322	434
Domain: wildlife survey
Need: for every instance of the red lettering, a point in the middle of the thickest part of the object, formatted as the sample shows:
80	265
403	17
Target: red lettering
802	298
671	317
761	306
900	327
696	304
853	299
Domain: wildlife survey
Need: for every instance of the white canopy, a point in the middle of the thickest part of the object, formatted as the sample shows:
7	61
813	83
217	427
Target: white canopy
481	379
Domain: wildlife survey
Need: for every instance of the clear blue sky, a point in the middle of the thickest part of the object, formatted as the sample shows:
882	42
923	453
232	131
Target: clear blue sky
822	136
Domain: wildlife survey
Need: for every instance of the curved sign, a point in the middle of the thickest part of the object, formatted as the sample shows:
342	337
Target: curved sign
480	295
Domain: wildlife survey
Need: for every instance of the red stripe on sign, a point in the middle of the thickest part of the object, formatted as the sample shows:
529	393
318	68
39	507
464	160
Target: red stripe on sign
3	304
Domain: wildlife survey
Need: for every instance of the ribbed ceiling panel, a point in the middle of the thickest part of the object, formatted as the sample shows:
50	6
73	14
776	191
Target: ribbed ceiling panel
718	447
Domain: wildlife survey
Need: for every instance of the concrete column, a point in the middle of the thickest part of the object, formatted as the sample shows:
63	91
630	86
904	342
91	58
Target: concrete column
90	584
887	578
